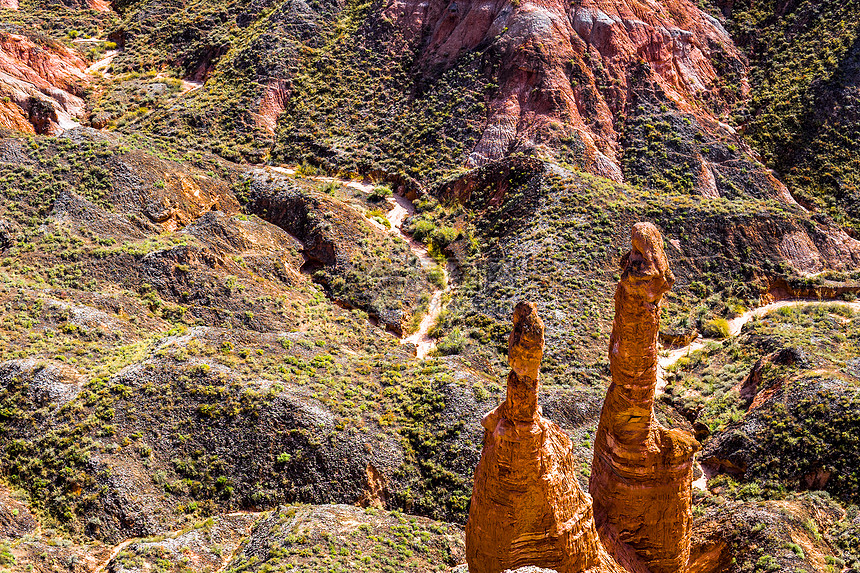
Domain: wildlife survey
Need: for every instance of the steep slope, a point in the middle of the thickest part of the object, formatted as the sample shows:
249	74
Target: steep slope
784	535
564	74
528	228
353	86
793	406
805	84
776	410
165	357
149	303
575	84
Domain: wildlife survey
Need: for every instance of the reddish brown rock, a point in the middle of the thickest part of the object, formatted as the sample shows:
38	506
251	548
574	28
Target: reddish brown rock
527	507
641	478
41	85
565	70
272	103
15	517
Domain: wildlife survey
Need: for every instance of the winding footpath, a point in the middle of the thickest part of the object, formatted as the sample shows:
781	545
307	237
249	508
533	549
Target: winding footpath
114	553
735	326
400	209
106	563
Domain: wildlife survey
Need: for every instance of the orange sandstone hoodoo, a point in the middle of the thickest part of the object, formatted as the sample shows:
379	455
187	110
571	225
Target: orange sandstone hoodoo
527	507
641	477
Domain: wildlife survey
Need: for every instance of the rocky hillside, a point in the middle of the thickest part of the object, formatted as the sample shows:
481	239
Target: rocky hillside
258	262
801	115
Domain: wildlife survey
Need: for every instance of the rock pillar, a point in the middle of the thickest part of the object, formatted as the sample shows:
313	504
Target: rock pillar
641	477
527	506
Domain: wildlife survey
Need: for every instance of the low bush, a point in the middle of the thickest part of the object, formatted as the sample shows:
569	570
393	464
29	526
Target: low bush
379	193
716	328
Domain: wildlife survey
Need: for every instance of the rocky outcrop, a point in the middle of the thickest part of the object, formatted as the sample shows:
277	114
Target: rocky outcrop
335	239
167	194
756	387
8	233
813	287
272	103
564	71
527	506
15	517
761	531
41	85
642	472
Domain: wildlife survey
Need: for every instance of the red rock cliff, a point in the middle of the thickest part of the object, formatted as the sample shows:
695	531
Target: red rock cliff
41	85
563	70
527	507
641	477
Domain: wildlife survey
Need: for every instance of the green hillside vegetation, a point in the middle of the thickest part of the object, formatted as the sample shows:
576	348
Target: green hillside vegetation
802	114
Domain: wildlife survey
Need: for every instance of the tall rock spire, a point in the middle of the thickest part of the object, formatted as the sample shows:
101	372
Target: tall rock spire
527	507
641	477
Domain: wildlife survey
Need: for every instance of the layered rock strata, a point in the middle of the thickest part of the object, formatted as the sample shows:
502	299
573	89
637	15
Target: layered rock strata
527	507
41	85
642	472
564	71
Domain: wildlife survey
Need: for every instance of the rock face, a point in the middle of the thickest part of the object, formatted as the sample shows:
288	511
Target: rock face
564	69
527	507
42	85
642	472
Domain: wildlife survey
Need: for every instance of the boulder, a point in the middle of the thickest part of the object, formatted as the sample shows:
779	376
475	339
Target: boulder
8	233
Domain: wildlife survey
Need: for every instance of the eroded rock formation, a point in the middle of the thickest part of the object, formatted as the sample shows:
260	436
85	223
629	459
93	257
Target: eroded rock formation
527	507
642	472
41	84
565	70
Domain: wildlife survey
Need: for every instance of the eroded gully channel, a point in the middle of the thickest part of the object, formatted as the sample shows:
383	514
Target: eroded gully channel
400	209
735	326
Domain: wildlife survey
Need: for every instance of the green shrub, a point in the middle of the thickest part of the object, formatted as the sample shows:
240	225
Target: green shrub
717	328
481	393
453	343
796	549
767	563
443	236
330	187
437	277
306	170
379	193
6	557
422	230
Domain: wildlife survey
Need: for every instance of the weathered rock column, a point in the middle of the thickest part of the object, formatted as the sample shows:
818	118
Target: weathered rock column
527	507
641	477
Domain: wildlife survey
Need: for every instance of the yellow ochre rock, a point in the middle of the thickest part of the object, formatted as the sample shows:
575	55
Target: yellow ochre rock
641	477
527	507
